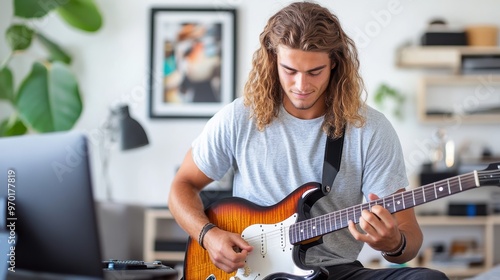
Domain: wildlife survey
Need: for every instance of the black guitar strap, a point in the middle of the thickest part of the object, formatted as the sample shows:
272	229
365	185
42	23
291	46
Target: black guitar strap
333	157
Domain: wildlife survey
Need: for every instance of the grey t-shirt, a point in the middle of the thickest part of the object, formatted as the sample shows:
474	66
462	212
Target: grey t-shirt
270	164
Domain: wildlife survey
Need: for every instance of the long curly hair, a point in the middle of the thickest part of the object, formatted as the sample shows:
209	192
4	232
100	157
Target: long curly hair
309	27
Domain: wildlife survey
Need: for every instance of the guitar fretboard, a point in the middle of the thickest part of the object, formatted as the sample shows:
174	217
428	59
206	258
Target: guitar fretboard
330	222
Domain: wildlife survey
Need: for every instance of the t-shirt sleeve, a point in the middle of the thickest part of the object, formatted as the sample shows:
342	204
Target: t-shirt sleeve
211	150
384	170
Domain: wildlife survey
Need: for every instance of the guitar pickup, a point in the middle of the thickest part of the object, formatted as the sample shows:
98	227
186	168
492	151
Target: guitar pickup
263	245
282	237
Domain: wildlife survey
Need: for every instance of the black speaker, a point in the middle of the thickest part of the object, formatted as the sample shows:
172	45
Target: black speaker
467	209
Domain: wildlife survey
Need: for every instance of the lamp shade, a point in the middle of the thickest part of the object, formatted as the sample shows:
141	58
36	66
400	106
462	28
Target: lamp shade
132	134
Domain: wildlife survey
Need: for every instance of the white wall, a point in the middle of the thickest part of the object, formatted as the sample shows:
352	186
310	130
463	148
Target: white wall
112	67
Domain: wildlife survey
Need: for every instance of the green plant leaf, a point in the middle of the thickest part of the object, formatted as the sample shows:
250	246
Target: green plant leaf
49	99
56	53
34	8
19	37
12	128
6	84
82	14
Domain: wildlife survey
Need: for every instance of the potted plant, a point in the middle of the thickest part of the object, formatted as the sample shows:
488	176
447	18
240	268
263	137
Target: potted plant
48	98
387	94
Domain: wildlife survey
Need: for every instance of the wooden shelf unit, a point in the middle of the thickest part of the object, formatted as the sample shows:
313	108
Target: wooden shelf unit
487	223
474	92
481	87
446	57
151	218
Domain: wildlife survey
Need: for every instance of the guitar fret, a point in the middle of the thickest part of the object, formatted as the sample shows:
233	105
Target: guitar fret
310	232
303	232
403	198
334	224
335	219
435	192
293	232
328	225
300	232
313	228
344	218
323	226
329	221
460	183
340	219
449	188
413	194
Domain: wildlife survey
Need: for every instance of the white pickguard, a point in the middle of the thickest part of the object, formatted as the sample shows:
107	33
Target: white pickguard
272	251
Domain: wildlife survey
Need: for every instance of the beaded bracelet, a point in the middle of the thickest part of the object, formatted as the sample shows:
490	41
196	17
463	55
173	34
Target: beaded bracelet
204	230
398	252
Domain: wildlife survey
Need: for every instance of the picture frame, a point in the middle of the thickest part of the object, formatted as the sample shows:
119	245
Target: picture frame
192	61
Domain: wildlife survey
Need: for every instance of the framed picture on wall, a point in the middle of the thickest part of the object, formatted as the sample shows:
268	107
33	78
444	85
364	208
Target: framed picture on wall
192	63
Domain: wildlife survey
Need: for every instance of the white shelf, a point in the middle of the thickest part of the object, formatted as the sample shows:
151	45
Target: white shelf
151	218
170	256
459	99
488	224
452	221
448	57
478	101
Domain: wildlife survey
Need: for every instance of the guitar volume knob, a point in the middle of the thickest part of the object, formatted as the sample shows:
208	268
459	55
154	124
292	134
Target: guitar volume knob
246	271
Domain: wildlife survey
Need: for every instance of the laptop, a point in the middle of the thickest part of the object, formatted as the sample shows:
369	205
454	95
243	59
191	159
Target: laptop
49	219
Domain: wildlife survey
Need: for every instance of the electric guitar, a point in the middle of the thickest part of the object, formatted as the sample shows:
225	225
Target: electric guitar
282	233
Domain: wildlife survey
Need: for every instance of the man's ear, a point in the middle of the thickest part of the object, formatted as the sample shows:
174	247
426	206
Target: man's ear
333	65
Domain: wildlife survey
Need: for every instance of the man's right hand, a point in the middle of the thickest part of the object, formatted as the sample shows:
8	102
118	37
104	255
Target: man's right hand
227	250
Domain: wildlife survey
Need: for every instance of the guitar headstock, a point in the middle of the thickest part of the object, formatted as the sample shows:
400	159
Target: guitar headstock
491	175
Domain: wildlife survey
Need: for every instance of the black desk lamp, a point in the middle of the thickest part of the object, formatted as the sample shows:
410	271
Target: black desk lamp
132	135
120	127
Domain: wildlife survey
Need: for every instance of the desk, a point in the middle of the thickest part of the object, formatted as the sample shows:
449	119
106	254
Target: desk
139	274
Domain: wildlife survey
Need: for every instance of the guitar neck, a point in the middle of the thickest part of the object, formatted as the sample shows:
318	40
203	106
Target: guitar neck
321	225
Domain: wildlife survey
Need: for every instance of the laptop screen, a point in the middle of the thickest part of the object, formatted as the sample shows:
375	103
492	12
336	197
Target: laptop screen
50	205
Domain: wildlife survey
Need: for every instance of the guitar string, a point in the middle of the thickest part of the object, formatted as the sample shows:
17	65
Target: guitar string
403	198
407	198
342	216
321	225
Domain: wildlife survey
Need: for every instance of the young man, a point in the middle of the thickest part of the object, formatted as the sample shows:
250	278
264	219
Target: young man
304	85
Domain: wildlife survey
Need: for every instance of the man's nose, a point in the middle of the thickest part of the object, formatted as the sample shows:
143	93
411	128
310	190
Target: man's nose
301	81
